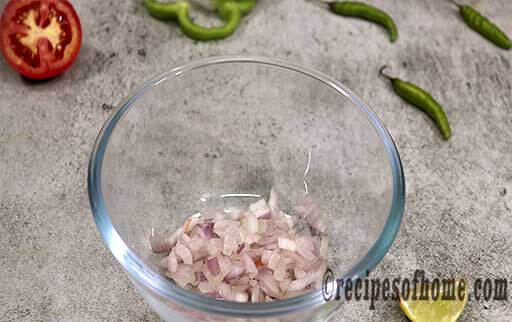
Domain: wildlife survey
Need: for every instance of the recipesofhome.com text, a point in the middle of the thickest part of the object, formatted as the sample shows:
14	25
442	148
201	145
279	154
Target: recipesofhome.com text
418	288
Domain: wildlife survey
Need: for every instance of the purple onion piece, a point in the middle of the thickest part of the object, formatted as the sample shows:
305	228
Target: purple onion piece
207	229
200	276
159	244
213	266
240	248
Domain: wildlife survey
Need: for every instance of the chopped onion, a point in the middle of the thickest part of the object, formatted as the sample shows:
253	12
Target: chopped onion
267	240
263	271
282	224
215	246
213	266
265	216
205	287
225	265
265	256
289	220
212	279
191	223
234	213
284	285
184	238
286	261
249	264
251	223
198	266
237	269
305	247
240	248
273	202
263	226
184	253
286	244
253	252
172	262
280	273
243	234
241	297
260	209
271	246
183	275
250	255
231	239
314	265
300	284
240	287
252	238
273	262
220	227
207	230
299	273
174	237
242	283
269	285
200	276
225	291
310	211
195	244
299	261
159	244
218	215
255	294
196	232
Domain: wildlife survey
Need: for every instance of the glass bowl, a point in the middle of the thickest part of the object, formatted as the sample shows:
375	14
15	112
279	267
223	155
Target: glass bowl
237	126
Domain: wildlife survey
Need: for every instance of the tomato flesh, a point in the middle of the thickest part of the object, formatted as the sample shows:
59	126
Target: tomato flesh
40	38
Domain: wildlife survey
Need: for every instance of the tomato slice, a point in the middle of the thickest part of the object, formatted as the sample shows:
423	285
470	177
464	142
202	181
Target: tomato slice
40	38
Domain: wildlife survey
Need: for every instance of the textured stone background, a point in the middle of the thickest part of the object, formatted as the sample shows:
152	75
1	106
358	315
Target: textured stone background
53	265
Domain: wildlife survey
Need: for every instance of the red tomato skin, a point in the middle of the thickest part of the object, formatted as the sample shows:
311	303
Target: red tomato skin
55	68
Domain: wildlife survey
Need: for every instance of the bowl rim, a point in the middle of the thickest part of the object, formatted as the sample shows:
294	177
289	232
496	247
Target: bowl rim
167	290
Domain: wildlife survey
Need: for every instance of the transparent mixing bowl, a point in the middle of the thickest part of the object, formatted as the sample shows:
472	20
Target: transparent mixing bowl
241	125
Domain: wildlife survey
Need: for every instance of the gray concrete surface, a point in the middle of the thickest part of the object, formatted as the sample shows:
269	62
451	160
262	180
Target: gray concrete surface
53	264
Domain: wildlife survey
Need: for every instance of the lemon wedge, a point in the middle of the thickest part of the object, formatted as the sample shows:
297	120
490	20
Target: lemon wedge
439	310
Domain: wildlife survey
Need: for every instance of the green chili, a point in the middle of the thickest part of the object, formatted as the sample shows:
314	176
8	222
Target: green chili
367	12
483	26
418	97
230	11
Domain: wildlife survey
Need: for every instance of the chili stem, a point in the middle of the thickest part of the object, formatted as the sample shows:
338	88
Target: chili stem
381	72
